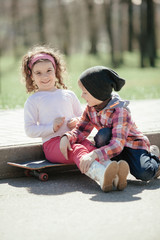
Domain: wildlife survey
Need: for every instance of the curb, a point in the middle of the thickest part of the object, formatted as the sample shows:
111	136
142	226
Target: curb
33	152
18	153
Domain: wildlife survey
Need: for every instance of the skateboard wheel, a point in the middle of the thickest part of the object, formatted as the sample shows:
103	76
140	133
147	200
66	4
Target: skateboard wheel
27	173
43	176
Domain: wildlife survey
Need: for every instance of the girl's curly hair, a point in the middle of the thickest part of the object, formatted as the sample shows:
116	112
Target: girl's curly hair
27	72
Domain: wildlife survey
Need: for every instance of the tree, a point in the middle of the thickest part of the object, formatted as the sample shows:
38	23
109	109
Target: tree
15	27
65	27
151	33
130	25
41	20
92	27
114	28
147	35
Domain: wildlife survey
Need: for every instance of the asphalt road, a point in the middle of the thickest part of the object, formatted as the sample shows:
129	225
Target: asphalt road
71	206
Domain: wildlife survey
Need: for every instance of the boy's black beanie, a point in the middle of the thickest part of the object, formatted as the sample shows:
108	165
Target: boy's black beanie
100	81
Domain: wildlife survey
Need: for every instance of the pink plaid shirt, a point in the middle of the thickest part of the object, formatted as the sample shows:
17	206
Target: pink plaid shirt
117	116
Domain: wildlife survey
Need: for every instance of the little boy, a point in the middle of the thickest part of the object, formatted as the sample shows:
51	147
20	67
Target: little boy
105	110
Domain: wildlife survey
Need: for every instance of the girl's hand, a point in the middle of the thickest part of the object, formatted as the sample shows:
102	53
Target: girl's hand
87	160
58	122
72	123
64	146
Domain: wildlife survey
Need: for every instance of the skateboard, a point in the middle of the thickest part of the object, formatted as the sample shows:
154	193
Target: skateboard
35	168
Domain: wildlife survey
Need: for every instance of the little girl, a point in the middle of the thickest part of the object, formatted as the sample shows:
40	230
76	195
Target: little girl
118	137
52	109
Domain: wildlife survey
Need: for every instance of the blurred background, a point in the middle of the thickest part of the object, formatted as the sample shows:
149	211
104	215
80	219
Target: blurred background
121	34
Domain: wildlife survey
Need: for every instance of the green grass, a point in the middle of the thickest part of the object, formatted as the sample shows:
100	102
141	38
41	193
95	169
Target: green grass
140	83
12	91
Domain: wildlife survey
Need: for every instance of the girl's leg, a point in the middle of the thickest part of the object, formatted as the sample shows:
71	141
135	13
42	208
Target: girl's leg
52	151
98	172
80	149
143	165
53	154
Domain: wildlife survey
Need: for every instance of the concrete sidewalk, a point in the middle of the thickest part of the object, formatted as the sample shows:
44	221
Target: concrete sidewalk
146	114
71	206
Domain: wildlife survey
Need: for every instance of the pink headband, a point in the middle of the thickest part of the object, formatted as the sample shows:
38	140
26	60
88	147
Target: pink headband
40	56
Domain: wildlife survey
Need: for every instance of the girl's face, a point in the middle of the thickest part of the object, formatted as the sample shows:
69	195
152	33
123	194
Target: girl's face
43	74
91	101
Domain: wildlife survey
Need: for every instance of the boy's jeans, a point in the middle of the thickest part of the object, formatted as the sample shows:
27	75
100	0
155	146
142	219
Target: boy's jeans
143	165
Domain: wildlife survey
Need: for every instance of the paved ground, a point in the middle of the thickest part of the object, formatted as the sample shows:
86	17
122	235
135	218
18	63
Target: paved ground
70	205
145	112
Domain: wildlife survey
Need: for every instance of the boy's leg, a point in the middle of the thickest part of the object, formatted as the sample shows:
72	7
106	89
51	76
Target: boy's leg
103	137
143	165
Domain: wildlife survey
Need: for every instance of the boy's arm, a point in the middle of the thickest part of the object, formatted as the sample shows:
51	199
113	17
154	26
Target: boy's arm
73	122
82	130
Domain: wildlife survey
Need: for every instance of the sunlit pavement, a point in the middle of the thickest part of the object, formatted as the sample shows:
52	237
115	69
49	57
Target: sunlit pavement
70	205
146	114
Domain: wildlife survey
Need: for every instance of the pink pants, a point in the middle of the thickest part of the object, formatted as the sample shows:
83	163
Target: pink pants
53	154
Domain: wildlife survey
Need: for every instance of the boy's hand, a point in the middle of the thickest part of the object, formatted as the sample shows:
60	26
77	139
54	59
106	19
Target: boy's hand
64	146
72	123
87	160
58	122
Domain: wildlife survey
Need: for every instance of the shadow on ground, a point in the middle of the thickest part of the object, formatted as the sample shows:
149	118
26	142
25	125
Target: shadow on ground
71	182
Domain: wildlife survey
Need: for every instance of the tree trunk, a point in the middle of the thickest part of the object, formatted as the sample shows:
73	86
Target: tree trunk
40	17
130	25
151	33
114	28
65	27
14	17
92	27
108	19
147	36
143	35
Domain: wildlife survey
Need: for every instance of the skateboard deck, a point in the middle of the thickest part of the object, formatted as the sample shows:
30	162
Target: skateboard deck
34	168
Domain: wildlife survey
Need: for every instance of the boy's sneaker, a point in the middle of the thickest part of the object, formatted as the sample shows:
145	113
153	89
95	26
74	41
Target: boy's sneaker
157	173
155	150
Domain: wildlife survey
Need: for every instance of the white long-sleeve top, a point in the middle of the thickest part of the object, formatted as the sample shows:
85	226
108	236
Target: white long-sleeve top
42	108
